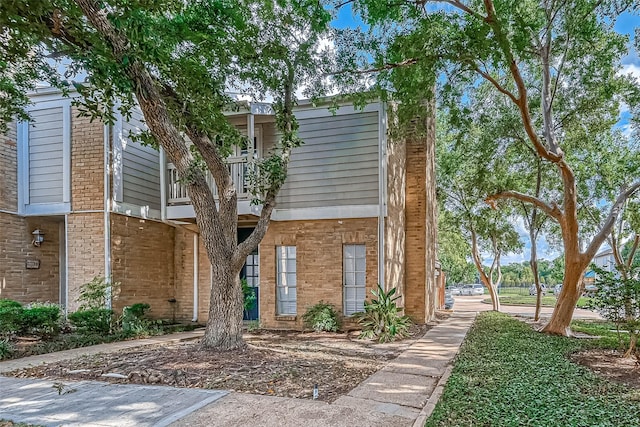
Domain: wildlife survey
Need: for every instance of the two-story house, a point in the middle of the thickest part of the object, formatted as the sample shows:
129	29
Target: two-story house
357	209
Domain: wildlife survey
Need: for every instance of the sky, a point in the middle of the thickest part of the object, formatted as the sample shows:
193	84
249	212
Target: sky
626	24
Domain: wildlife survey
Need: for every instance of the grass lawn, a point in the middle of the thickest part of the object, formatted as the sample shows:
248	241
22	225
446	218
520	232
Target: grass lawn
609	335
547	301
508	375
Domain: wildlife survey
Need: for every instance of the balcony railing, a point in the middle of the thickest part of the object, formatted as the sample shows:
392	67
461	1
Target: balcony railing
238	168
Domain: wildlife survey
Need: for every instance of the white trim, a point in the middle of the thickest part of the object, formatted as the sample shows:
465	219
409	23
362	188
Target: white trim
163	184
107	219
23	165
326	212
196	272
9	212
130	209
180	211
310	111
382	184
251	133
66	152
47	209
66	263
116	159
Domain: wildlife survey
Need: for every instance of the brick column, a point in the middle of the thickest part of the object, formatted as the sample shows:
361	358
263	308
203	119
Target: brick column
421	224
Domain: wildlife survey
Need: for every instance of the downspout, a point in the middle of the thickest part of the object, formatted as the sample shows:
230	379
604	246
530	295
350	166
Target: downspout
382	189
196	242
107	219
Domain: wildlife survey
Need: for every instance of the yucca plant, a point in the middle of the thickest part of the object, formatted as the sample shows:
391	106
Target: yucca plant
381	317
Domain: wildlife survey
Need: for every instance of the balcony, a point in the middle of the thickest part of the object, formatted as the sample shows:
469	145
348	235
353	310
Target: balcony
238	168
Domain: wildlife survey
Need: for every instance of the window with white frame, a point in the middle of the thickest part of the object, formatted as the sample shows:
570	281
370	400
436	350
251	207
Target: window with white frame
354	270
286	295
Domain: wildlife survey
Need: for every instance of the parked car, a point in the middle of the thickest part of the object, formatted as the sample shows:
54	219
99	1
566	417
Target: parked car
534	291
557	288
448	300
590	288
454	290
476	289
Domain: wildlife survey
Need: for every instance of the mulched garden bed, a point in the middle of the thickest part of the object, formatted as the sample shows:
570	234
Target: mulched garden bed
275	363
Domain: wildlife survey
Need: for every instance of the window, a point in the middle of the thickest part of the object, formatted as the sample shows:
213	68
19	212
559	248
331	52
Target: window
286	280
354	271
252	269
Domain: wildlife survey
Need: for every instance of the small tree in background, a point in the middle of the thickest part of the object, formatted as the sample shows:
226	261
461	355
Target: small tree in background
618	300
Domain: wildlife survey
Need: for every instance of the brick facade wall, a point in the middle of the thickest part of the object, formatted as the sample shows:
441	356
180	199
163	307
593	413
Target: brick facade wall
184	276
318	263
142	261
85	252
395	233
9	170
421	225
87	163
16	281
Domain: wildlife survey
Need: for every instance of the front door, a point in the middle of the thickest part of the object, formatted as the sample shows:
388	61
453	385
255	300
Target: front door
251	273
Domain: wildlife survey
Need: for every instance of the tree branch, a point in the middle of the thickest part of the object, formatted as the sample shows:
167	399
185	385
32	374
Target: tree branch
552	211
599	238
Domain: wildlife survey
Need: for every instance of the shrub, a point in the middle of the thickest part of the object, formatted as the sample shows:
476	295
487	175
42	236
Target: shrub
617	299
134	322
322	317
93	295
10	317
248	294
42	319
95	320
6	349
381	319
9	303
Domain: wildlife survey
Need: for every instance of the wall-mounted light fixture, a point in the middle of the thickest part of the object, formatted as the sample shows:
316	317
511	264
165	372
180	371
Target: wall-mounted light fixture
38	237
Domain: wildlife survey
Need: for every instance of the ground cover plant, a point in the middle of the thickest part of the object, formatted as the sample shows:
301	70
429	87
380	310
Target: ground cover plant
509	375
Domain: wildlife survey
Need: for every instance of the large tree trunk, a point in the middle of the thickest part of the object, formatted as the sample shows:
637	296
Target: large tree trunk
495	299
533	262
224	327
565	306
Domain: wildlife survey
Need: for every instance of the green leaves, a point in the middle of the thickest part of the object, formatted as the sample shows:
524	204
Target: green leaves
507	374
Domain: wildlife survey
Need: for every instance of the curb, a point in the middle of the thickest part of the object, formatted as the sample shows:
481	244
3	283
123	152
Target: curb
428	408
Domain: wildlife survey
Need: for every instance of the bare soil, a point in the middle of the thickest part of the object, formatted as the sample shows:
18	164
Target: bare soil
275	363
611	365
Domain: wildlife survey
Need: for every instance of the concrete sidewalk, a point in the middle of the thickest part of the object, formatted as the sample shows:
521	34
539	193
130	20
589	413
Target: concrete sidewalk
403	393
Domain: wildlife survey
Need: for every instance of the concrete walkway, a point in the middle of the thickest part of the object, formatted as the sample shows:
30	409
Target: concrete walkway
403	393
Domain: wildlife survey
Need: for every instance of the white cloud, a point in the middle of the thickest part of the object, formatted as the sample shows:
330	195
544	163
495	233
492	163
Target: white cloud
633	69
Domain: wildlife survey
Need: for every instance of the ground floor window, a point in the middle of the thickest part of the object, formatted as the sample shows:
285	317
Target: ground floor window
354	270
286	295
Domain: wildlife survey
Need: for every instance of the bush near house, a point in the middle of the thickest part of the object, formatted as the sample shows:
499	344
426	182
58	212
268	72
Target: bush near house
322	317
91	324
38	319
381	318
506	374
